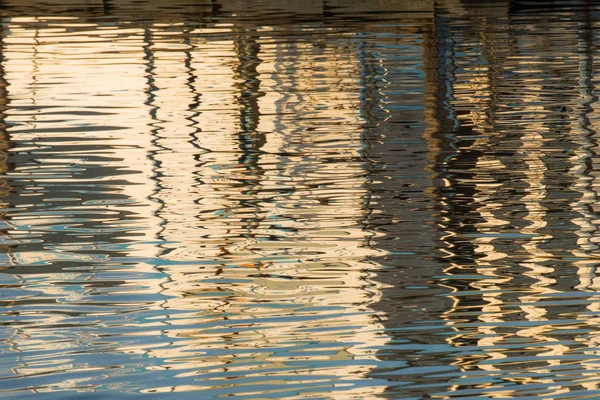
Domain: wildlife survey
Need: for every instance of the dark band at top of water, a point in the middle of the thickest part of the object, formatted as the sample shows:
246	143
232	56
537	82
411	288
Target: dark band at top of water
299	199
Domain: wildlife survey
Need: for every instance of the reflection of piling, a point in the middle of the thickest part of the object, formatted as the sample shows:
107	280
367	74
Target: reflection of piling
5	188
247	49
403	208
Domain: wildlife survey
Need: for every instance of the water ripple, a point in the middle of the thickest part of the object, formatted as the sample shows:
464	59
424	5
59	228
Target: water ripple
351	200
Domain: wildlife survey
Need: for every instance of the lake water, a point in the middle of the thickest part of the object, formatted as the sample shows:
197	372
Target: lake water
291	199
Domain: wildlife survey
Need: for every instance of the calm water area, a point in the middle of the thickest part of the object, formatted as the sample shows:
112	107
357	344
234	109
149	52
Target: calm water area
299	199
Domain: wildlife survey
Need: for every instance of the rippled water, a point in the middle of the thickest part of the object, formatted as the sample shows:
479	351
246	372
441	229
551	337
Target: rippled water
299	199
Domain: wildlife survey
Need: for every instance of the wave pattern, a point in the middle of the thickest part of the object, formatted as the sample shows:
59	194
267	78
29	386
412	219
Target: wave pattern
351	200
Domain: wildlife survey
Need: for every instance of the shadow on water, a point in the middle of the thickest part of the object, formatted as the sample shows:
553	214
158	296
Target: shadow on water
328	199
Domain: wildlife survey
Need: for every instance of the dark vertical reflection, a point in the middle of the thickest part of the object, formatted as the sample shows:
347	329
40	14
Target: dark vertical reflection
399	147
5	189
251	139
415	295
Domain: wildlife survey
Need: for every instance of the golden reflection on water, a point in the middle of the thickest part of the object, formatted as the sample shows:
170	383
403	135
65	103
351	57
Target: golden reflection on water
292	200
263	273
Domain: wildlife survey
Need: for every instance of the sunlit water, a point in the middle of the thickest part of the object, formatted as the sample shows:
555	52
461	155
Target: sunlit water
299	199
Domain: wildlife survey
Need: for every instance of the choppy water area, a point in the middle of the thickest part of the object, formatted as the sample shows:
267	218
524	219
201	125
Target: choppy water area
299	199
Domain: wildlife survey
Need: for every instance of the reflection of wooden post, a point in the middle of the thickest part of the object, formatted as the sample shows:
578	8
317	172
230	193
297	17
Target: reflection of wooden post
251	140
438	68
392	212
587	266
440	135
434	104
4	138
191	85
368	100
583	170
5	189
452	167
247	50
150	91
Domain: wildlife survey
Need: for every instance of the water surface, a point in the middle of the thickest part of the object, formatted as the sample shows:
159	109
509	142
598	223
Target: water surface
299	199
